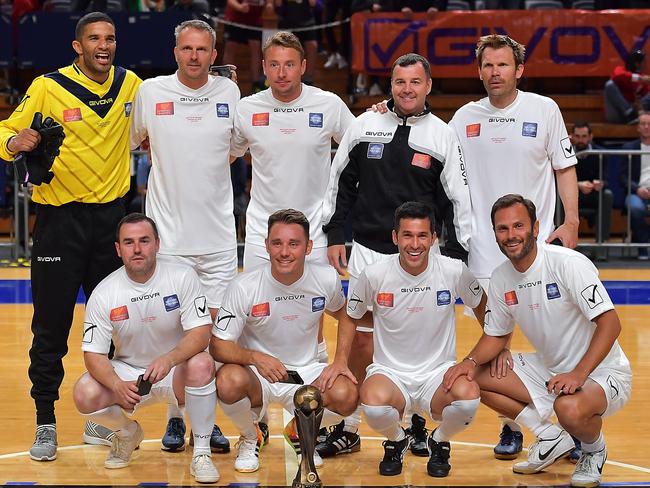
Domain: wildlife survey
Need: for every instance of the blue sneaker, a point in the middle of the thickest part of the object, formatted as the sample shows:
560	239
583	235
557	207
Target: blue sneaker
218	441
174	438
575	454
510	444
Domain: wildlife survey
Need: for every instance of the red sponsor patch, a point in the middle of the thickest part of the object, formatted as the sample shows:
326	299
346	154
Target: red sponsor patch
72	114
260	119
165	108
511	298
385	299
119	313
421	160
473	130
261	310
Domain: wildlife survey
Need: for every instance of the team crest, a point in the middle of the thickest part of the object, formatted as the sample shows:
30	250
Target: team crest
529	129
317	304
511	298
473	130
315	119
261	119
443	297
120	313
385	299
375	150
552	291
223	111
261	310
171	302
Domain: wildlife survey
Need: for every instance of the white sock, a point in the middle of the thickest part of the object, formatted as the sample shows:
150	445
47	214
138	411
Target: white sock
201	403
111	417
385	420
353	421
330	418
514	426
529	417
597	445
175	411
322	353
241	415
455	418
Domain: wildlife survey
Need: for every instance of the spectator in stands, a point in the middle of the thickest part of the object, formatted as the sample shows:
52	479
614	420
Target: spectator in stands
295	14
639	184
591	183
627	87
247	12
339	54
198	8
409	7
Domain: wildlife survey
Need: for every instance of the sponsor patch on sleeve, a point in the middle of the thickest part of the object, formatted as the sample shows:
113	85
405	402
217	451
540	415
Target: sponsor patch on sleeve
201	306
473	130
592	296
261	119
120	313
171	302
88	333
475	288
375	150
223	318
552	291
567	147
511	298
443	297
529	129
385	299
315	119
223	111
165	108
421	160
317	304
261	310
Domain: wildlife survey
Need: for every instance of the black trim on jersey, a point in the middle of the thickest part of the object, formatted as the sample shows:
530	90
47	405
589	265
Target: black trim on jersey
86	96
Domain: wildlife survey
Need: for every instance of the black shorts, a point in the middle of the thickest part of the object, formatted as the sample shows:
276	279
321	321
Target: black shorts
240	35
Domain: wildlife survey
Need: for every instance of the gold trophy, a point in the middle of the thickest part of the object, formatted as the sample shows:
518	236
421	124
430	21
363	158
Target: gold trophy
309	413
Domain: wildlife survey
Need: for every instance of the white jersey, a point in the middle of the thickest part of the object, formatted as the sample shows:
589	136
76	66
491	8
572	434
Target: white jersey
189	190
290	144
554	303
262	314
414	316
144	320
510	150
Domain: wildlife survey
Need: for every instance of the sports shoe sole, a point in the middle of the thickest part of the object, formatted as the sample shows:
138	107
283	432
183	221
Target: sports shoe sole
247	470
43	458
212	479
95	441
506	457
124	464
163	447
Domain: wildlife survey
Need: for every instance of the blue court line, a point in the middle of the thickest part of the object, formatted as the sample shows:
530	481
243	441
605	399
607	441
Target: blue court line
621	292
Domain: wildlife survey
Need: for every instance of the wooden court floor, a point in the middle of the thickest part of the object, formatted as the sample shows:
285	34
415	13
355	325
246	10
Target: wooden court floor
627	434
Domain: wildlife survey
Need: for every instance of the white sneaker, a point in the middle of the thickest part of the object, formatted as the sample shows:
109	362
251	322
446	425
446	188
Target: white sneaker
122	447
203	470
331	61
340	60
544	452
248	456
589	470
318	461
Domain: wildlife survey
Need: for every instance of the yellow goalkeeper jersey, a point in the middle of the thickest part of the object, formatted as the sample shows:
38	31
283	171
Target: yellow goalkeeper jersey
93	166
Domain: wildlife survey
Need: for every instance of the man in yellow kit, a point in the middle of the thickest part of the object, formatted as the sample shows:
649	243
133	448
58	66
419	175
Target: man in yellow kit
78	210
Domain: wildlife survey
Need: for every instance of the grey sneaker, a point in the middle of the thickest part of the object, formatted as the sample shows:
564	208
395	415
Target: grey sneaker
123	446
97	435
44	447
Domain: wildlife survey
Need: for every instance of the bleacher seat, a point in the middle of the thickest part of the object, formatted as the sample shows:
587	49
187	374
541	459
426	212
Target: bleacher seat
542	4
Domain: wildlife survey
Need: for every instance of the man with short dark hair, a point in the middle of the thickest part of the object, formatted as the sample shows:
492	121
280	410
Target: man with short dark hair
413	295
383	161
268	325
578	372
77	211
155	313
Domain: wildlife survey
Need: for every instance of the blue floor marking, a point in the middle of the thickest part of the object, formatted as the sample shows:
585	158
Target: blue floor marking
621	292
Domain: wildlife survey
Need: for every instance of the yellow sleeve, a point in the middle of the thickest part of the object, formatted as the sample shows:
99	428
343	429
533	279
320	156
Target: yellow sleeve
22	117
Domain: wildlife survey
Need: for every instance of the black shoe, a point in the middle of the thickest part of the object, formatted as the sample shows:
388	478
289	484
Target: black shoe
322	435
394	451
510	444
417	434
339	441
264	429
438	465
218	441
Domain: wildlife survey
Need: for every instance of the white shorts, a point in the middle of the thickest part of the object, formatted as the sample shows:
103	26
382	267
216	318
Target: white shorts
215	271
282	393
531	370
255	255
417	393
361	257
161	392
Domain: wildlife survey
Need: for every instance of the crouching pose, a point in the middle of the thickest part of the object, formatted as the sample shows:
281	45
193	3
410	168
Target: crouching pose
413	294
158	319
578	370
266	333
